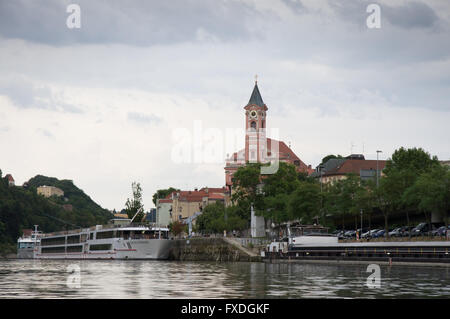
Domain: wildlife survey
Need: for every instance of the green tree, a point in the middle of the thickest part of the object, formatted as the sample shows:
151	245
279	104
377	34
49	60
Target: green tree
216	218
304	202
162	193
431	192
328	157
277	190
342	196
134	207
366	199
246	184
177	228
414	159
401	172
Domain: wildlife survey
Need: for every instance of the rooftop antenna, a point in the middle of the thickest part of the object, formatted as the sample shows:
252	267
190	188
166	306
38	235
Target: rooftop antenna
351	147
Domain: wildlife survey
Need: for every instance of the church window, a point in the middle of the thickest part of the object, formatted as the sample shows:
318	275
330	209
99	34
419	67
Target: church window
253	125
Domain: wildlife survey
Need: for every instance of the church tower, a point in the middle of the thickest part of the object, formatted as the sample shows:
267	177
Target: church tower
255	128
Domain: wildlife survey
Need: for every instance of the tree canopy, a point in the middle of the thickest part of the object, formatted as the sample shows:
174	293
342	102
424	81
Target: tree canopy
134	206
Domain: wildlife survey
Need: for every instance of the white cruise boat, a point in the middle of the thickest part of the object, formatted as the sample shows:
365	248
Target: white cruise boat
298	235
27	243
114	241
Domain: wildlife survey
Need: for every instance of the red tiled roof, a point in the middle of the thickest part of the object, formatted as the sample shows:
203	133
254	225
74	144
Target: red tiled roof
191	196
216	196
198	195
355	166
165	200
285	153
214	189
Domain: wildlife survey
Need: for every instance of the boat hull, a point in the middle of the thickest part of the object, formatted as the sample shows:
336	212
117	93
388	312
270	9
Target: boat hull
123	249
25	253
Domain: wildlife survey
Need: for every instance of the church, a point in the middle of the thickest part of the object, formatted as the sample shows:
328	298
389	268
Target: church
258	147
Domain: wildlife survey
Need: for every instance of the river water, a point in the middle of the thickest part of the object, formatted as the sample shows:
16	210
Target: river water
169	279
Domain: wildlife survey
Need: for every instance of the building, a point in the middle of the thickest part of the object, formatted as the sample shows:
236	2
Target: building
338	168
10	180
259	148
180	205
48	191
163	211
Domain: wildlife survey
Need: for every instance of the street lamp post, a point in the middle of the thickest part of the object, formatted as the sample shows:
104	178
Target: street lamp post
361	225
377	166
321	194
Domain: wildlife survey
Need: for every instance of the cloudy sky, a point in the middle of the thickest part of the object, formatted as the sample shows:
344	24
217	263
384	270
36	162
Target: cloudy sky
141	82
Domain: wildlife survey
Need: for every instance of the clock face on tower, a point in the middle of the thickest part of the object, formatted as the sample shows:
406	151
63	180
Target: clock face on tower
253	114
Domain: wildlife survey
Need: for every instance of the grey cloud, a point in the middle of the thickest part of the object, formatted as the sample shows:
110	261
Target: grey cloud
411	15
144	118
295	5
25	94
137	22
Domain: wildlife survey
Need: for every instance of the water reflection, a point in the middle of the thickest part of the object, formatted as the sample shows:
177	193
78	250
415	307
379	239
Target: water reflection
163	279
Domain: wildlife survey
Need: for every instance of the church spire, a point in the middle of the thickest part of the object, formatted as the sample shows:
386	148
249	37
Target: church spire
256	96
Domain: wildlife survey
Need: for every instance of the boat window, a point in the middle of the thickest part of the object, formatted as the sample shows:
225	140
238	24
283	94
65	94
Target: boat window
25	245
105	234
53	241
74	249
100	247
73	239
53	250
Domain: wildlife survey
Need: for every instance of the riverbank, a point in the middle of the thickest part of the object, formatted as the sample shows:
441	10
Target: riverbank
210	249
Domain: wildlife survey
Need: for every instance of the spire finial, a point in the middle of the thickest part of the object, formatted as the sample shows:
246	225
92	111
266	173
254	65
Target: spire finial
256	78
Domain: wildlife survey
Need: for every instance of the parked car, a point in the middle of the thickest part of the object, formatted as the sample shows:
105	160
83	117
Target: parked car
369	234
340	234
441	231
423	229
379	233
406	230
396	232
350	234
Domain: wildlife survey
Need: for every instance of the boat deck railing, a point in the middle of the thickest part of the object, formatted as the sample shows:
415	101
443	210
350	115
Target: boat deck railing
92	228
